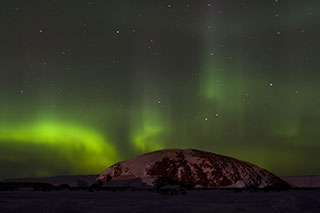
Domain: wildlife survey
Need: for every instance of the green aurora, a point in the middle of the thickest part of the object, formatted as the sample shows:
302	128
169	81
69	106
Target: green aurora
84	85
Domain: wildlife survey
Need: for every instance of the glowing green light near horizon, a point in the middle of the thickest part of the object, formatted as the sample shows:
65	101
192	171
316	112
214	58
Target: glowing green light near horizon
85	148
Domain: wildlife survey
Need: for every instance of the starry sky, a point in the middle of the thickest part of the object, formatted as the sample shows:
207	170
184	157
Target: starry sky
87	83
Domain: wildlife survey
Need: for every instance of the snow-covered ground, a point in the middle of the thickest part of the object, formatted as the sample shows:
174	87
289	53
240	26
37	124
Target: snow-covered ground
144	201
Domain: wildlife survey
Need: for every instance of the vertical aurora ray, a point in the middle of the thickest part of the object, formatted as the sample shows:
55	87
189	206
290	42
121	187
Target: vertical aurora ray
148	133
212	81
222	84
148	125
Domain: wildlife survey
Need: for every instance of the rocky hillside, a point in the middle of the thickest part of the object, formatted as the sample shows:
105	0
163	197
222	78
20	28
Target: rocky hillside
191	168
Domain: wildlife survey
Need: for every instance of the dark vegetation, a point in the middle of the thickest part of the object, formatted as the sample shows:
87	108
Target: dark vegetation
162	187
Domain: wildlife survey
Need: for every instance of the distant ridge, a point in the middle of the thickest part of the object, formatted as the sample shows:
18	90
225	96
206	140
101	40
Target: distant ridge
72	180
308	181
311	181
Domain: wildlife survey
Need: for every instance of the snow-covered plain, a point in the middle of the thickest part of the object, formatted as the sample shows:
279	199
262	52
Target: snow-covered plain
219	200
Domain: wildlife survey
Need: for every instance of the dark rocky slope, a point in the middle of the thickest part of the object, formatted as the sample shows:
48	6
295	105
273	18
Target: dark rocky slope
192	168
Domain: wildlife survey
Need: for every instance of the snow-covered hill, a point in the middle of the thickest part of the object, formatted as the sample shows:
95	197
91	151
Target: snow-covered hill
193	168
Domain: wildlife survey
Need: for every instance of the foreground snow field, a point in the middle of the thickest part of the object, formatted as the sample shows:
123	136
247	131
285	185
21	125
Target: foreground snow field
219	200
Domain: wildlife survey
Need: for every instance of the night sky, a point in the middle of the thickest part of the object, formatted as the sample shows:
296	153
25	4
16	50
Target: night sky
85	84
